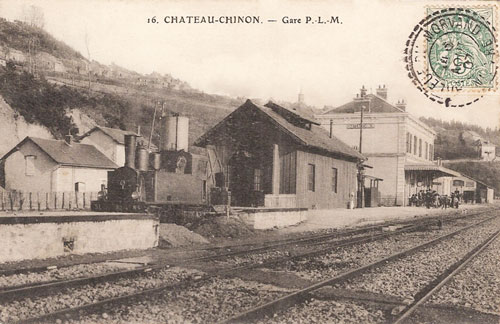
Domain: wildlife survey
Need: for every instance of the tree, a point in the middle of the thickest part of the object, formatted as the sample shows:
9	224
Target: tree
88	57
33	16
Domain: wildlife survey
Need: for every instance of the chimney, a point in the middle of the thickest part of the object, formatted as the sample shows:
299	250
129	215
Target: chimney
68	139
382	92
301	98
401	105
362	92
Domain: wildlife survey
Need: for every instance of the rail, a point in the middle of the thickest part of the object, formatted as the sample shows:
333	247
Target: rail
298	296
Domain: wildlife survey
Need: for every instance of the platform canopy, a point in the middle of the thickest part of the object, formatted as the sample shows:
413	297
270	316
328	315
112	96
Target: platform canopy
436	169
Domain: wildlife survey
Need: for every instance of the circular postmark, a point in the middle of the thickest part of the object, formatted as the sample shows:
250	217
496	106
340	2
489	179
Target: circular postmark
451	55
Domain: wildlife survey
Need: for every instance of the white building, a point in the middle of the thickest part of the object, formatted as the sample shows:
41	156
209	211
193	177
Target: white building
42	165
399	147
110	141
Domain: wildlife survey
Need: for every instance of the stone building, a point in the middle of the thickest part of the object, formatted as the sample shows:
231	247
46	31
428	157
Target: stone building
399	147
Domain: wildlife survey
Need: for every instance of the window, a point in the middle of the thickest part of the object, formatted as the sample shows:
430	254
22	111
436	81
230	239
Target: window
410	140
334	179
431	152
80	186
257	176
311	173
415	145
228	176
419	147
426	150
288	170
204	189
29	168
407	142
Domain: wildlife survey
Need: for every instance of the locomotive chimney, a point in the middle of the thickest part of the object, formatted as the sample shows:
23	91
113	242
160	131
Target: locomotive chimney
130	143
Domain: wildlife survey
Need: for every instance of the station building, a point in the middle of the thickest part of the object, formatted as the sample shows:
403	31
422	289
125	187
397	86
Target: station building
270	156
472	190
399	147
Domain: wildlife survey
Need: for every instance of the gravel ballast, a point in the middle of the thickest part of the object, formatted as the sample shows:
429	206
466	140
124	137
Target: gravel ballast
407	276
208	303
71	272
477	286
72	297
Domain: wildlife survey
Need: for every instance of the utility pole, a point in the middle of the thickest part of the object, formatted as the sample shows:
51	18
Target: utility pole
152	127
361	130
360	168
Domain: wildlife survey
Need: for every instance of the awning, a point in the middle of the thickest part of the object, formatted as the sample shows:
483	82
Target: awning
373	178
432	168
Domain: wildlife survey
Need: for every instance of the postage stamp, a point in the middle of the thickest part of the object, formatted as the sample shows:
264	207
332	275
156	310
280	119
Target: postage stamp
451	55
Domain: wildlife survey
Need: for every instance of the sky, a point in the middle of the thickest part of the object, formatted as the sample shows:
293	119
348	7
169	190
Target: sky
327	62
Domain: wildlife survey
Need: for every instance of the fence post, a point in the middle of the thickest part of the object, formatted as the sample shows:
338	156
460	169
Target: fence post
47	201
69	200
76	199
84	200
21	201
11	202
31	203
38	200
3	206
62	206
55	200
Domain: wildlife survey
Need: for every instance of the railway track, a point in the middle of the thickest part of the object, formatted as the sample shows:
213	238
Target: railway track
426	293
109	302
322	239
44	288
279	305
230	250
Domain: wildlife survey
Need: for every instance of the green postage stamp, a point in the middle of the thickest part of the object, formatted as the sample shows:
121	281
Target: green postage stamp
453	52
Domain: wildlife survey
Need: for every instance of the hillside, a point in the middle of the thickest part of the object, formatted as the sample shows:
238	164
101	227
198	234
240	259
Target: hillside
15	35
55	93
450	143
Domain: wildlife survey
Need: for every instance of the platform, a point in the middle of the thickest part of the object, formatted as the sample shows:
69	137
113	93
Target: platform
37	235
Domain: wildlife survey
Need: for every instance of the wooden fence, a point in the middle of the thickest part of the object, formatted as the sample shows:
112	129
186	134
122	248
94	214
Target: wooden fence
69	200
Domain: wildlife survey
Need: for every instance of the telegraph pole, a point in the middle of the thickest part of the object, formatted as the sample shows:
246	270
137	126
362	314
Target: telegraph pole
152	128
361	130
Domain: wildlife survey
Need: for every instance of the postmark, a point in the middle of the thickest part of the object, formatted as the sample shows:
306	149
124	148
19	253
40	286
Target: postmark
452	56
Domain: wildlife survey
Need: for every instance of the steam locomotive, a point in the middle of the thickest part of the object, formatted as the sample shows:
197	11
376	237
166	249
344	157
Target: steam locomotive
168	182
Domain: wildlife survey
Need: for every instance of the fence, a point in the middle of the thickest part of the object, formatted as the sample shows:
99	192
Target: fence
68	200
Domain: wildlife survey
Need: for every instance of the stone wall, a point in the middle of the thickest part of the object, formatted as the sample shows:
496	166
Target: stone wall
38	237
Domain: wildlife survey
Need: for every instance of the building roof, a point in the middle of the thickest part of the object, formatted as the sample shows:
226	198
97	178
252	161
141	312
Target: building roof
432	167
373	103
117	135
312	135
76	154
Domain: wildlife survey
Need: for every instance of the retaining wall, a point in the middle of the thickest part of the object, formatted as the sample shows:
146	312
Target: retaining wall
38	237
267	218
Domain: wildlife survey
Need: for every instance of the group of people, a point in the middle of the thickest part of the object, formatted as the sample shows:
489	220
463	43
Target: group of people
431	198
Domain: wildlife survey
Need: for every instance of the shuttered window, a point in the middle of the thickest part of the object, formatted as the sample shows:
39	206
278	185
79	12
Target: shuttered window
334	179
257	179
29	169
